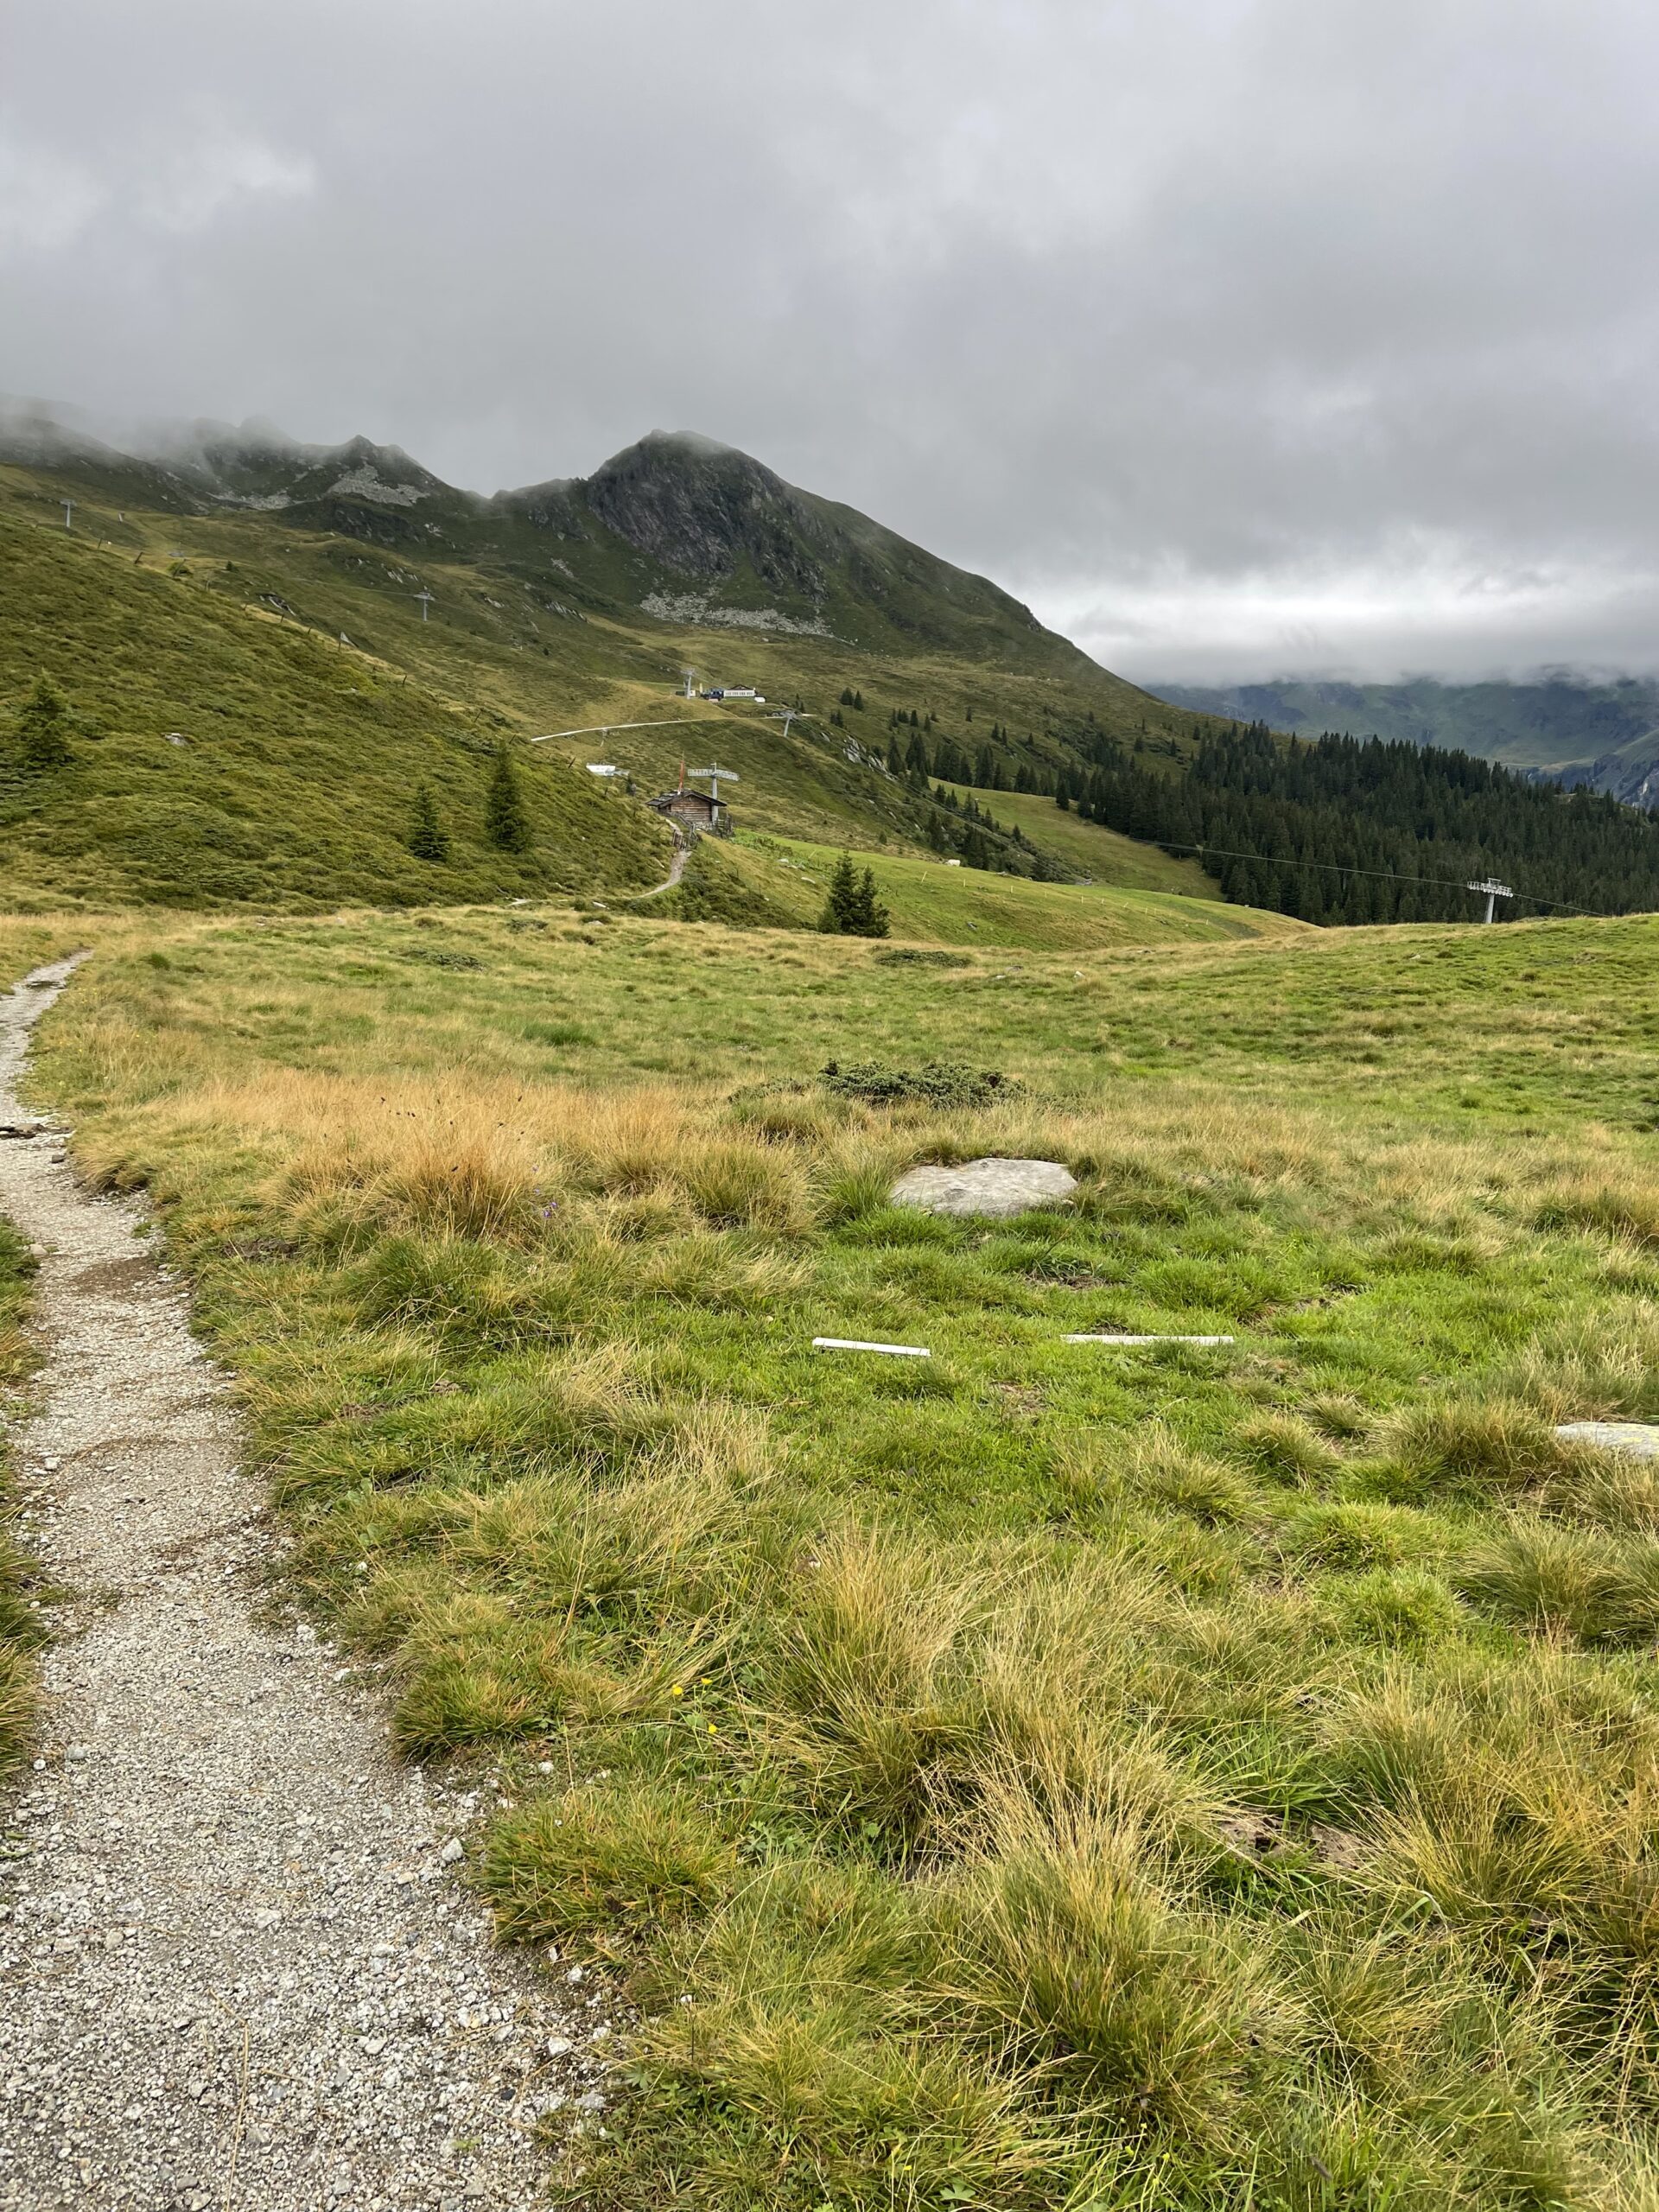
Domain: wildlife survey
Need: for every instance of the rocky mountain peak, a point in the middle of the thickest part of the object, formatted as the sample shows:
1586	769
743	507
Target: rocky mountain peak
704	511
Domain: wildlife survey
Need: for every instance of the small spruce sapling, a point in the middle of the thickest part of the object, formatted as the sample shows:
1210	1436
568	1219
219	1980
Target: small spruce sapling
428	839
852	908
505	818
841	904
873	917
43	728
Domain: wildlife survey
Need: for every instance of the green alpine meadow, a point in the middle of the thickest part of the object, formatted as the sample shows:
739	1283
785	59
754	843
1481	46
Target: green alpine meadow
1049	1773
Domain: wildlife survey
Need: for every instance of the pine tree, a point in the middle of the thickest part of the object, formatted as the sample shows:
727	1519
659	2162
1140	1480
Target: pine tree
846	696
841	907
426	838
895	757
872	918
852	908
505	820
43	728
858	701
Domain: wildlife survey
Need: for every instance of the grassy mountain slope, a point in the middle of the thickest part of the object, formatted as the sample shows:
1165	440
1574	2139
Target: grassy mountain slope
293	779
551	607
932	904
576	604
1097	855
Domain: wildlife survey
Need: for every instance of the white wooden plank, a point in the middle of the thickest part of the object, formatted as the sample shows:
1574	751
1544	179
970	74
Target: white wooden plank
853	1344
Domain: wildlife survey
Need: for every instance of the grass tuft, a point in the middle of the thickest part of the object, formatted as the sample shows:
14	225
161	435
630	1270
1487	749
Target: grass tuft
606	1862
1064	1946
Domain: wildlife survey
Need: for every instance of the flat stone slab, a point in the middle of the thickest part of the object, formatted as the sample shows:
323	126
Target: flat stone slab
1637	1439
994	1189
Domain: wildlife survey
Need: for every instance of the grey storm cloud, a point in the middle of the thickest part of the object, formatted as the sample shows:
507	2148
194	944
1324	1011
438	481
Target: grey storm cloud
1240	336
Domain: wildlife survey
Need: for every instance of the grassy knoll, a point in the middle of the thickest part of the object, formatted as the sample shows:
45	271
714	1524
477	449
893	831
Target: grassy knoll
291	784
1101	855
784	880
1044	1776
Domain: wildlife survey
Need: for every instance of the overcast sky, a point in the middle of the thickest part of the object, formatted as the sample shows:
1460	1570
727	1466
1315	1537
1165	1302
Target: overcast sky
1239	336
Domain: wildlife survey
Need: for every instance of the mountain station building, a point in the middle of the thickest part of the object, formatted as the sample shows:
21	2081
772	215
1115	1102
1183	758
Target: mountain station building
694	811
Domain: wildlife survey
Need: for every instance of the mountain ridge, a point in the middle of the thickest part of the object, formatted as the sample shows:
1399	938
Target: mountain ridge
675	509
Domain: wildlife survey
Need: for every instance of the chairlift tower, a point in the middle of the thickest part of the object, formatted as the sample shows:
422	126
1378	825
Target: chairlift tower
1491	890
425	598
68	510
714	777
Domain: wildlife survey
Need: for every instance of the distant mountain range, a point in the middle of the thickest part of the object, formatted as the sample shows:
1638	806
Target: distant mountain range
269	646
321	629
676	526
1604	735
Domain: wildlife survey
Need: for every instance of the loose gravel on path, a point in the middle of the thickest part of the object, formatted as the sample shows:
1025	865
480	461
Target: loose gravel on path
236	1970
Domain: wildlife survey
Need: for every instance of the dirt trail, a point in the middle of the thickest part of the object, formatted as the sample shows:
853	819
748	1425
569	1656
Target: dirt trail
235	1968
676	870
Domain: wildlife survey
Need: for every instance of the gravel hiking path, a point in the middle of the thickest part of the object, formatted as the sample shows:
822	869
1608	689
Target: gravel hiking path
235	1968
676	870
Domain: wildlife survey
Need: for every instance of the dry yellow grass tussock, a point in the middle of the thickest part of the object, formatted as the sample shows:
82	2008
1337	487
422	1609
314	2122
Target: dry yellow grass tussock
459	1157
